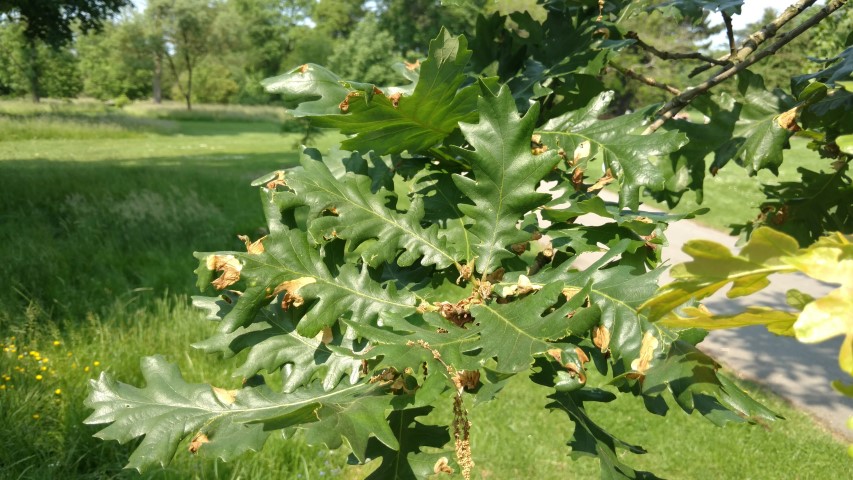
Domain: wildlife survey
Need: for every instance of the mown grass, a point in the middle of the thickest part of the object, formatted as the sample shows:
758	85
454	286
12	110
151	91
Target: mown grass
98	235
734	198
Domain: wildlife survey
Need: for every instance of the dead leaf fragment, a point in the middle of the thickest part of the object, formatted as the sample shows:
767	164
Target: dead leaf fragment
647	353
788	120
601	338
254	248
197	442
291	287
328	336
602	182
582	151
227	397
277	181
413	66
230	268
395	99
442	466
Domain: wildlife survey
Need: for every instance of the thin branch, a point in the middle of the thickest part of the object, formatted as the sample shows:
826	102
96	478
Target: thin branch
756	39
672	55
730	32
643	78
678	103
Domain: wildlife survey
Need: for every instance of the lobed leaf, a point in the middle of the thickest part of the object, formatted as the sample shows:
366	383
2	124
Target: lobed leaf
505	176
168	410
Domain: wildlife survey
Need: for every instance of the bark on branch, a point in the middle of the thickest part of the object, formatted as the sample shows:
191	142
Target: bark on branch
756	39
679	102
643	78
665	55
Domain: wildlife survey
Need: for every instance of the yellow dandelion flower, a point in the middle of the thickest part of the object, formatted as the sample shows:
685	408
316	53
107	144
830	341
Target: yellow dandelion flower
56	343
3	387
34	353
58	391
45	360
39	377
85	369
20	357
36	416
96	363
43	368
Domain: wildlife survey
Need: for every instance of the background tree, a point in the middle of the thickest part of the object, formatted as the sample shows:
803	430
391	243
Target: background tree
50	21
368	54
186	28
118	60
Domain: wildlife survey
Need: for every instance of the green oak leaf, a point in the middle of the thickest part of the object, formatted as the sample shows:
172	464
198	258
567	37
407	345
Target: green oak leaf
757	139
505	177
272	342
629	156
840	68
616	294
362	217
517	331
168	410
311	89
408	462
290	263
589	439
397	342
419	121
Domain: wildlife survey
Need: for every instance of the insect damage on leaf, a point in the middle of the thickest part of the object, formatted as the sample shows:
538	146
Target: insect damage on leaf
642	363
256	247
395	99
230	268
290	287
601	338
197	441
442	466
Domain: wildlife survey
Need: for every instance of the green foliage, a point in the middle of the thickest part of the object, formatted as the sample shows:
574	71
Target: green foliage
419	273
367	54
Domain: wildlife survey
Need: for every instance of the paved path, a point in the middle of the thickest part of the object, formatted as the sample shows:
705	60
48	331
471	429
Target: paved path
799	372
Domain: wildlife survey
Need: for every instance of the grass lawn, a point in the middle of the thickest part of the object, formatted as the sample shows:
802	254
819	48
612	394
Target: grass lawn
100	211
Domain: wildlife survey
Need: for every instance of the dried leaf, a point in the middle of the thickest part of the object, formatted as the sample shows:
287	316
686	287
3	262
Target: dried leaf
291	287
442	466
197	442
256	247
788	120
647	353
225	396
230	268
601	338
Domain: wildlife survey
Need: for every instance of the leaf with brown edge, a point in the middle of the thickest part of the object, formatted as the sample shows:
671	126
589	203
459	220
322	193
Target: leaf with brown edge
255	247
647	353
291	298
230	268
197	442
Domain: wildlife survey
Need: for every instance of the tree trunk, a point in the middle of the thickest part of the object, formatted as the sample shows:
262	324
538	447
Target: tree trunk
157	89
32	70
189	93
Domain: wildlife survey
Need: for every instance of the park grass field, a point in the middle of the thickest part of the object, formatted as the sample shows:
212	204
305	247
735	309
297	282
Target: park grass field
98	221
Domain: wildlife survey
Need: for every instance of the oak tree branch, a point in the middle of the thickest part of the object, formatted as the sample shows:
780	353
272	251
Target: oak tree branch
679	102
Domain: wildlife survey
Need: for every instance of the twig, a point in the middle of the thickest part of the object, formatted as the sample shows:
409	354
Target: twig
756	39
678	103
672	55
643	78
730	32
